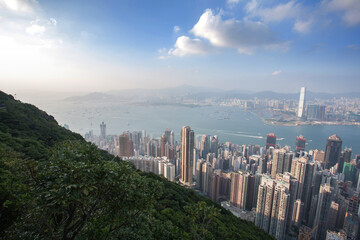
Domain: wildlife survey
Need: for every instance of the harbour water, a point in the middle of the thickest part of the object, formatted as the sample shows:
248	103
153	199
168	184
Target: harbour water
229	123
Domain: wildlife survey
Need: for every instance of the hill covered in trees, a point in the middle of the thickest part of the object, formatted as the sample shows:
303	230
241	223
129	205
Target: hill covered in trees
55	185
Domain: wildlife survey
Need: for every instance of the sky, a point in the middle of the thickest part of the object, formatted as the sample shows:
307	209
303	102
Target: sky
256	45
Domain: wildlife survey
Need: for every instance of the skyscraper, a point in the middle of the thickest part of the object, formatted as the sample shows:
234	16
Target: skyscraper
240	189
168	135
270	140
322	211
187	152
103	130
272	206
332	152
264	203
278	162
300	143
346	154
163	145
124	146
214	145
204	146
281	202
301	107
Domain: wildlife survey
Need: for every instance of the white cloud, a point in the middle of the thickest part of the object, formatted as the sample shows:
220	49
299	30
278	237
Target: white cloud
351	9
35	29
243	35
276	73
251	6
176	29
20	6
187	46
302	26
280	12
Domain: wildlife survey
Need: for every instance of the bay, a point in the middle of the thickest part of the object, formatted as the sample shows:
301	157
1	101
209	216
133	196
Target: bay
228	123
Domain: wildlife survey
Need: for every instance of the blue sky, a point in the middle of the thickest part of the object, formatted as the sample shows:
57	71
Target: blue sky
250	45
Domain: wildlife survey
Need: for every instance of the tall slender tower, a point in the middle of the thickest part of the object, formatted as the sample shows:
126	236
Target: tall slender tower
187	155
301	106
103	130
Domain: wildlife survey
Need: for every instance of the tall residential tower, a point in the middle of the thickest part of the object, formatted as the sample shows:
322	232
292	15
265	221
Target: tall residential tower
187	155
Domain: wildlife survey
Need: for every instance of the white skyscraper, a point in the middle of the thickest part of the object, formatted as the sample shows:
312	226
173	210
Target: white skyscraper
301	106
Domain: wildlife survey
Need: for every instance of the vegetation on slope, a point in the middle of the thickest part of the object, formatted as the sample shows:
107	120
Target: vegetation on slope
54	185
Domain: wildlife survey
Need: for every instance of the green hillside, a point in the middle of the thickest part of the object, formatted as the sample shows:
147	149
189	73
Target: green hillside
54	185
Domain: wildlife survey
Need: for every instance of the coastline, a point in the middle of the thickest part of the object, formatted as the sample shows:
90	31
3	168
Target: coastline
294	123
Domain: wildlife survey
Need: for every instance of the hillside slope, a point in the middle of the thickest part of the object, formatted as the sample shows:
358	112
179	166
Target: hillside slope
54	185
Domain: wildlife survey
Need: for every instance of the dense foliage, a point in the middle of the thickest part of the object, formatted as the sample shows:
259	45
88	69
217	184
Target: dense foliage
54	185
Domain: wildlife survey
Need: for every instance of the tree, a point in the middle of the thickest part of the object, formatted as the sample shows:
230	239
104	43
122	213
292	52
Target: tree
79	194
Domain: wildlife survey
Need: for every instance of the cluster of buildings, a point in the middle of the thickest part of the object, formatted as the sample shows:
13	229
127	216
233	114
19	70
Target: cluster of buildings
315	110
286	192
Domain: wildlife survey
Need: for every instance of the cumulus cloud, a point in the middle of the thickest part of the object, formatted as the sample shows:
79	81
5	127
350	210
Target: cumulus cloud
242	35
35	29
187	46
20	6
350	8
276	72
176	29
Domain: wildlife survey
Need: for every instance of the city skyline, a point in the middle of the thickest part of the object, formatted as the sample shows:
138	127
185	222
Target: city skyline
283	191
251	45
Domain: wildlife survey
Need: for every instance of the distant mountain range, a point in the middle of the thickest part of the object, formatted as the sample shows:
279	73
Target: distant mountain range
188	91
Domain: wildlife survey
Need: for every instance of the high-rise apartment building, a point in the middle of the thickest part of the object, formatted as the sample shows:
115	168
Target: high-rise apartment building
278	162
241	193
124	146
264	203
281	202
187	152
293	185
322	211
272	206
332	152
301	106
